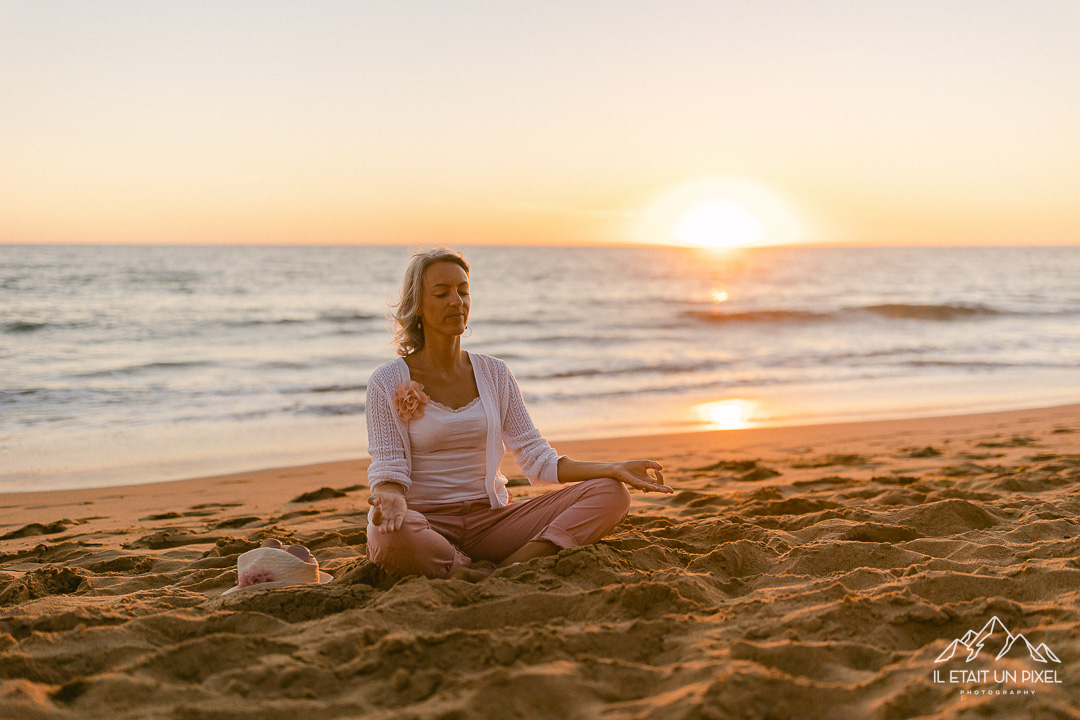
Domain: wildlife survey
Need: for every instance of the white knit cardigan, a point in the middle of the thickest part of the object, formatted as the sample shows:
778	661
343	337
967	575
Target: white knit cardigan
507	422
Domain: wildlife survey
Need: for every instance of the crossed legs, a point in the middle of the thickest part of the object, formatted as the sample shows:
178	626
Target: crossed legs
439	546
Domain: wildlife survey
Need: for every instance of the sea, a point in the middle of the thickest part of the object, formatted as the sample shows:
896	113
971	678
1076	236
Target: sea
134	364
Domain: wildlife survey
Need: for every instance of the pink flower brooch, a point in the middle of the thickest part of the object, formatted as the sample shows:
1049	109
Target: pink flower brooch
409	400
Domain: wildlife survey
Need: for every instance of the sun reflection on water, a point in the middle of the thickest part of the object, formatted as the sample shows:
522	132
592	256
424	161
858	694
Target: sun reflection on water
732	414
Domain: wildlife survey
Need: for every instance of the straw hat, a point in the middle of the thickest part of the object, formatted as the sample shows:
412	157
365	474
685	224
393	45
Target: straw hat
272	566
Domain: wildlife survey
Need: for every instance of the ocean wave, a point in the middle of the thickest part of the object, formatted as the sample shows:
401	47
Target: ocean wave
755	316
264	321
337	317
892	311
666	388
662	368
29	326
325	389
162	277
330	410
931	312
587	339
281	365
9	396
729	385
23	326
347	316
984	364
146	367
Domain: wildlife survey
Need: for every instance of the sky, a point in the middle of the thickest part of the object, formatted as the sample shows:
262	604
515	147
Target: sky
944	122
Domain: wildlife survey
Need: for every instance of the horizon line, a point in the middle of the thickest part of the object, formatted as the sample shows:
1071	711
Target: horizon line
833	244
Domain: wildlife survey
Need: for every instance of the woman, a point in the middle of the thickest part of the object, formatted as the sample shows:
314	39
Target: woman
437	419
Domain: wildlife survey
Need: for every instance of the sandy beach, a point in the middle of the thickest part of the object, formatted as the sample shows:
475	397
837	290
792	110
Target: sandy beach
812	572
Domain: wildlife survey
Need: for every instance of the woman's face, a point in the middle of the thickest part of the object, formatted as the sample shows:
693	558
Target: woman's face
444	306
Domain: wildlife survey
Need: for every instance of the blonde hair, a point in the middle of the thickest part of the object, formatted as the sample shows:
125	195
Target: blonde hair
408	335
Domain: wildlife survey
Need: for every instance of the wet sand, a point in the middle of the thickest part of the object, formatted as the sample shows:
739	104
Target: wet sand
807	572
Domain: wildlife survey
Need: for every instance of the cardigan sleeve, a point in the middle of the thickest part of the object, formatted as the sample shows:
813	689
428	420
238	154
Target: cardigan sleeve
388	461
536	458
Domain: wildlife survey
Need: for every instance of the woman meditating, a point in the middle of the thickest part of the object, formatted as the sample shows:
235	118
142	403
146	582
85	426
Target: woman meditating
437	419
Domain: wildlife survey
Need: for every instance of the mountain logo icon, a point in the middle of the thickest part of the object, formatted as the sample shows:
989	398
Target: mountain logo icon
995	639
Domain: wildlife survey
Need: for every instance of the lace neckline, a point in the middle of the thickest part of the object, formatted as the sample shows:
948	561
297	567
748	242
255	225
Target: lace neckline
463	408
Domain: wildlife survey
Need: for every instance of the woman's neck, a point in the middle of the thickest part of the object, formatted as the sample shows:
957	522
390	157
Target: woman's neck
441	354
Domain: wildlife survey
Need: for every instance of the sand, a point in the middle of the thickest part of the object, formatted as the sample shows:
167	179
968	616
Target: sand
810	572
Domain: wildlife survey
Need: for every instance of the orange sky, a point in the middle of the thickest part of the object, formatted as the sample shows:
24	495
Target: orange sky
560	122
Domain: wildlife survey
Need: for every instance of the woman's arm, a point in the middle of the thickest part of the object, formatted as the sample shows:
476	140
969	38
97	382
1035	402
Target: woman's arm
388	463
534	455
388	473
541	464
633	473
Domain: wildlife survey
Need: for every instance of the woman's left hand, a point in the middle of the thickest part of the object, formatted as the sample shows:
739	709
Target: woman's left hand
635	474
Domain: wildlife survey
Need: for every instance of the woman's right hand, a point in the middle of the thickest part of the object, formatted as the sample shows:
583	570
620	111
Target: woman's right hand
387	510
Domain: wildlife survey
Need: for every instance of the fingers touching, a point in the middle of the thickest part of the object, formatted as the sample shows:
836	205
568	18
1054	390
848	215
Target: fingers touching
651	483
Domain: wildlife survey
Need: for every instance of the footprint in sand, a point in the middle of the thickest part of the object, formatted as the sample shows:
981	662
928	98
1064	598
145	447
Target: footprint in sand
57	526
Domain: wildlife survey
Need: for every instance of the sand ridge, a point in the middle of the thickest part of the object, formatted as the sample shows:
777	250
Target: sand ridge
800	572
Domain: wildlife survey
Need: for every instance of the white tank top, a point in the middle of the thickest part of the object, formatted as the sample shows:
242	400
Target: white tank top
449	453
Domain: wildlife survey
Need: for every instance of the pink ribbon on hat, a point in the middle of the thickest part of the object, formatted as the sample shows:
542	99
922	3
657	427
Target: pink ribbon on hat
274	566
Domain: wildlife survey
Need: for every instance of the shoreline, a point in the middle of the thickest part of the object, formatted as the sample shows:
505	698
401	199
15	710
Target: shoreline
126	457
627	447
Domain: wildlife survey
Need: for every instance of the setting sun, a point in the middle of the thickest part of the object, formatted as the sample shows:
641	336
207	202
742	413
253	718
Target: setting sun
718	223
719	212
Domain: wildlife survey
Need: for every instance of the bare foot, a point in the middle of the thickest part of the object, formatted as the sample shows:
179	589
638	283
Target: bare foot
530	550
476	573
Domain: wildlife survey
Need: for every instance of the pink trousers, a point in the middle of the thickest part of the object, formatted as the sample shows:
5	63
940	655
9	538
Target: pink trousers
436	539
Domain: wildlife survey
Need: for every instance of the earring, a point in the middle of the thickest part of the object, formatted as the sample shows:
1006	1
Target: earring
418	321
